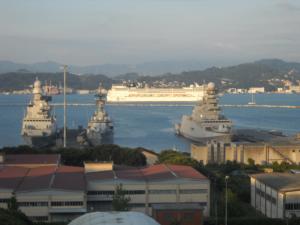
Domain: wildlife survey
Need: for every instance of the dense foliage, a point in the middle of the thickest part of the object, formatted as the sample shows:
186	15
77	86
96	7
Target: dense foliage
76	157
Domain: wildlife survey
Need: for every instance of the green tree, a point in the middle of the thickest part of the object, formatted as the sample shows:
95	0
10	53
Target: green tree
12	204
120	201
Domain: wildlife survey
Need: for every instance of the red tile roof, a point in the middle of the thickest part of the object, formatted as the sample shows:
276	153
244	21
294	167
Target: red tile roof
37	178
32	159
69	178
155	172
11	177
186	172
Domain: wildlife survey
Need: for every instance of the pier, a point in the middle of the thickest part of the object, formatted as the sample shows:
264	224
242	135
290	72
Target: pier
158	104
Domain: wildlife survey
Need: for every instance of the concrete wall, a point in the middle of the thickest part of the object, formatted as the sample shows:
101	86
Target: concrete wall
160	191
260	153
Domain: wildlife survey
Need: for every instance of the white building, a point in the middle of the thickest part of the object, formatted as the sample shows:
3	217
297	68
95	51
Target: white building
157	184
276	195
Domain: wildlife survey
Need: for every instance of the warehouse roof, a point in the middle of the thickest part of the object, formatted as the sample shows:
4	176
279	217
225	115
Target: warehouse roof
17	159
282	182
40	178
151	173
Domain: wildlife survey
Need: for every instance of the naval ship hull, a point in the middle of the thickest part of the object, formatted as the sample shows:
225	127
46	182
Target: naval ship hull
198	133
39	141
96	138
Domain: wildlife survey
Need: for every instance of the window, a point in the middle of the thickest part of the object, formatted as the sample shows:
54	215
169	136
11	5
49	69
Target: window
4	200
32	204
134	192
100	192
292	206
193	191
162	191
58	204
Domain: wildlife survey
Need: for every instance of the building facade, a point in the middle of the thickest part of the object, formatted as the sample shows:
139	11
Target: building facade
52	193
146	186
276	195
261	153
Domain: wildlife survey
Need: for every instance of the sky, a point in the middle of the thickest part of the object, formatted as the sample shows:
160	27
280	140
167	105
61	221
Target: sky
86	32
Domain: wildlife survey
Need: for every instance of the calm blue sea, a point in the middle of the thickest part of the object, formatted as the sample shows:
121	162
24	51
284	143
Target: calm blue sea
152	126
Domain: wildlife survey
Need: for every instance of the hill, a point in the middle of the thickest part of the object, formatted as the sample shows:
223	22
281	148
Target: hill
20	80
267	73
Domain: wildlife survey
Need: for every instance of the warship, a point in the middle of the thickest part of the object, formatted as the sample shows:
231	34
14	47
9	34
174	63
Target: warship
100	126
206	122
39	125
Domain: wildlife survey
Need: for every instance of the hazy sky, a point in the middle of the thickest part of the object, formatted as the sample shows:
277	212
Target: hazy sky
86	32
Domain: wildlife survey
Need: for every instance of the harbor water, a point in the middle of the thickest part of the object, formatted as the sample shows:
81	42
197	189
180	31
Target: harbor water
151	126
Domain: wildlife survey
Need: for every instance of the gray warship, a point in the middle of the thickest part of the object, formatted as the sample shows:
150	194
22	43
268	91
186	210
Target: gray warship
206	122
100	126
39	127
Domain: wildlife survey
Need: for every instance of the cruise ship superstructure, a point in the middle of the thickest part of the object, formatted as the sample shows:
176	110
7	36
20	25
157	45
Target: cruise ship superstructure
206	122
123	94
39	125
100	126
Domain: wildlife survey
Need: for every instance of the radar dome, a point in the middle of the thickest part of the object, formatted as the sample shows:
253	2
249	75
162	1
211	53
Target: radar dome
211	86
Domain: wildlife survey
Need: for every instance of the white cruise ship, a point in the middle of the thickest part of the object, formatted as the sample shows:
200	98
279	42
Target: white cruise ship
123	94
39	125
206	122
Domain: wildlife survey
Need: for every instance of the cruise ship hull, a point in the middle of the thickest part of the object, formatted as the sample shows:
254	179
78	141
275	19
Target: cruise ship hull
198	132
123	94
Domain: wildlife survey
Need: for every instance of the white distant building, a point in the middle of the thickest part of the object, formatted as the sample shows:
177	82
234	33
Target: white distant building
254	90
276	195
295	88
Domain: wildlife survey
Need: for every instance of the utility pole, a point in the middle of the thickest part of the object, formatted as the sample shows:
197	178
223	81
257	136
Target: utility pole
65	106
226	198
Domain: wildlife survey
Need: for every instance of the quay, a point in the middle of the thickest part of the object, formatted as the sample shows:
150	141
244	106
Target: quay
160	104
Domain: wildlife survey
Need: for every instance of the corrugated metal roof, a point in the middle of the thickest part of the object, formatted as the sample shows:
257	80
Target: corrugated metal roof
155	172
32	159
282	182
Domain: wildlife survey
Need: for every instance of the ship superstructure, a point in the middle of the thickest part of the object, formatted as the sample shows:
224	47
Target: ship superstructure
206	121
100	126
39	125
123	93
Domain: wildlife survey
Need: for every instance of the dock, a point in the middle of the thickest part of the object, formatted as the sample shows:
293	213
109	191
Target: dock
159	104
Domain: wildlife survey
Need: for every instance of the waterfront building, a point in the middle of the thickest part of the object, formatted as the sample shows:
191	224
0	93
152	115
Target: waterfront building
261	152
157	184
276	195
53	192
